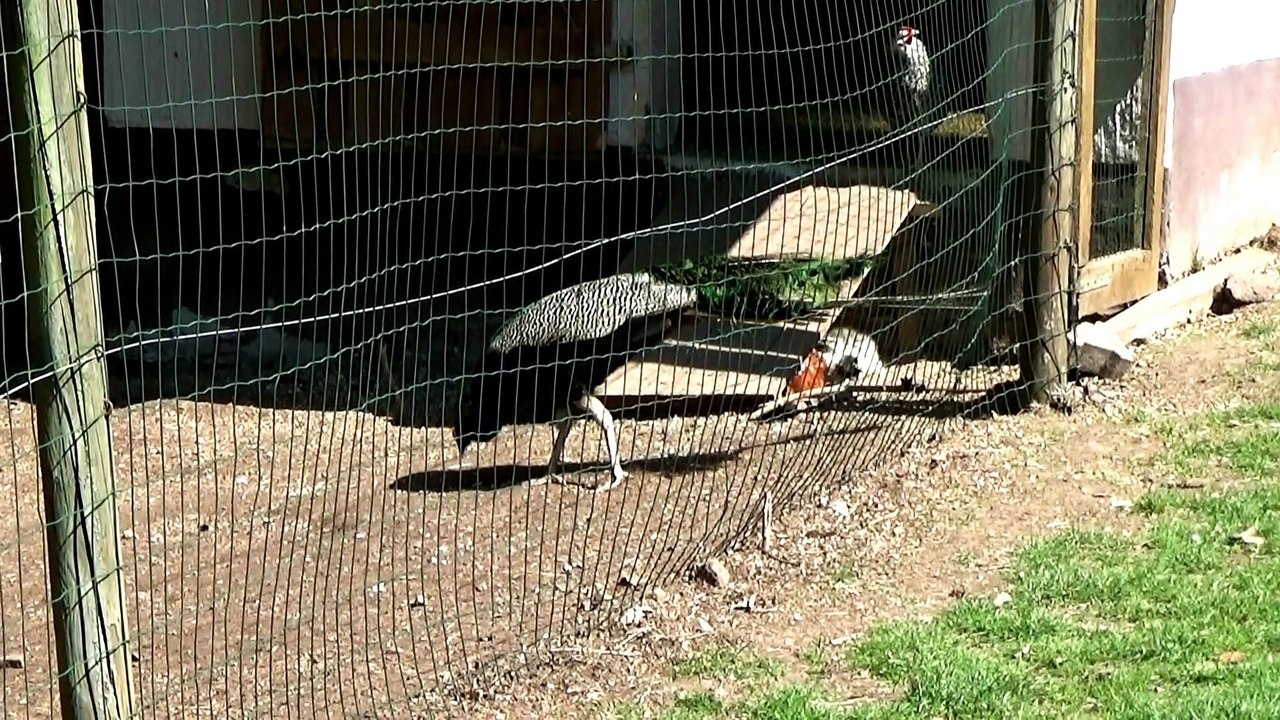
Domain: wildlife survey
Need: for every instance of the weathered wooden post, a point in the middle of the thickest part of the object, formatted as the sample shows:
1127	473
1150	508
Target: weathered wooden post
55	188
1058	62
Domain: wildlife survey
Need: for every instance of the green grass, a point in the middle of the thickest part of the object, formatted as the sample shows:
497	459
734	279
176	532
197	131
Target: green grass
762	289
1259	329
1244	441
1182	622
1179	621
727	662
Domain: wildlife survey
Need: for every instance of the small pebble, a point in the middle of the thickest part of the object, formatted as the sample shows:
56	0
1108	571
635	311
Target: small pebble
714	573
1003	599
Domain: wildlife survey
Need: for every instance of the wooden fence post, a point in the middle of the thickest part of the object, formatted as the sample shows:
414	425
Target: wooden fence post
55	188
1046	358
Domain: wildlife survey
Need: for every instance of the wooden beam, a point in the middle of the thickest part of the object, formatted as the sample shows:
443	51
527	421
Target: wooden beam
1158	122
55	191
1088	42
1114	280
1045	358
463	35
1186	299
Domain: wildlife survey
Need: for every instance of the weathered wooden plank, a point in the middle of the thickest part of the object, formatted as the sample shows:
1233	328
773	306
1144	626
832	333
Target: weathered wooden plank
1184	300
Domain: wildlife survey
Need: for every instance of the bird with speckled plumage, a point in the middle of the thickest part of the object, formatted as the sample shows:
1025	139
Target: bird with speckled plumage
543	363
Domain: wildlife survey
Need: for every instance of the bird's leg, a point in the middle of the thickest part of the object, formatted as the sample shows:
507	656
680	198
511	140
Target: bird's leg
601	415
557	453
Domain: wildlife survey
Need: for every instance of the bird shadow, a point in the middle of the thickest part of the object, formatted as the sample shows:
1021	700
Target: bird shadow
498	477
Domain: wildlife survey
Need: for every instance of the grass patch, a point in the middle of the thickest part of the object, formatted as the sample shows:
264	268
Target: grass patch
1259	329
816	658
1244	441
1181	623
727	662
1178	622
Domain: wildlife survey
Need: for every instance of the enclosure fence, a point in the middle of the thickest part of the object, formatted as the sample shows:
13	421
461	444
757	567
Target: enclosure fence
307	301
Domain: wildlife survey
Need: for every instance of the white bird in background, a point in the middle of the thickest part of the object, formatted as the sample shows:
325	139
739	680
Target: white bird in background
912	79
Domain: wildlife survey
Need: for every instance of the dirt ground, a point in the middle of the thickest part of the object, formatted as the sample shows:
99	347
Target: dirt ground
306	564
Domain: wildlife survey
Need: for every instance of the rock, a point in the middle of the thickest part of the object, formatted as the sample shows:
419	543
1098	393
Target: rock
714	573
1244	289
1098	350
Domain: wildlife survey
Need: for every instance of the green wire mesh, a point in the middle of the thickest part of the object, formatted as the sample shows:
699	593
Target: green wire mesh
312	216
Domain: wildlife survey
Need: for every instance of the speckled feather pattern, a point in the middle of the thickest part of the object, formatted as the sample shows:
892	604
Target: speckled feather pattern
589	311
914	80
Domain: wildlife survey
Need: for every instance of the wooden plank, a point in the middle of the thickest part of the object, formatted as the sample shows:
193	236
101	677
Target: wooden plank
711	356
55	191
708	356
1088	49
833	223
1159	121
455	35
907	333
459	108
1114	280
1184	300
294	108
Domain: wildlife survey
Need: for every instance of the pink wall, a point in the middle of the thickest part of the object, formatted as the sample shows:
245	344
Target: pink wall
1224	180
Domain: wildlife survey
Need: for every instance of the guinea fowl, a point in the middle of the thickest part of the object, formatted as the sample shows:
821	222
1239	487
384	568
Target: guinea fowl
913	83
543	363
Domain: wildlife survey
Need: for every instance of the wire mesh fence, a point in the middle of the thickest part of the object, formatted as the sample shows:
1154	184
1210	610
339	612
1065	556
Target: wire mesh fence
360	265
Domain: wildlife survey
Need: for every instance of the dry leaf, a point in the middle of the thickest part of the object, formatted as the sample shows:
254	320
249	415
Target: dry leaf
1231	657
1250	536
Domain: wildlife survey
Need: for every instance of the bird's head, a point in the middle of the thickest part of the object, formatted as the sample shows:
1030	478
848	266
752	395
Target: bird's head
907	36
813	371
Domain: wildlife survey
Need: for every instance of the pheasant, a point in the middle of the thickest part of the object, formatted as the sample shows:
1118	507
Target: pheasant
543	363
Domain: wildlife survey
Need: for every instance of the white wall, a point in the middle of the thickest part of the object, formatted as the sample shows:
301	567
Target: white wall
1212	35
181	64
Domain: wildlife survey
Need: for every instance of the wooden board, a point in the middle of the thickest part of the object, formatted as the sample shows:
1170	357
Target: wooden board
462	108
295	105
828	222
733	213
1184	300
453	34
714	356
832	223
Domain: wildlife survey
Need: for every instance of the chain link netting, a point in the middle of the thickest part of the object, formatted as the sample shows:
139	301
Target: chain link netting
315	216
